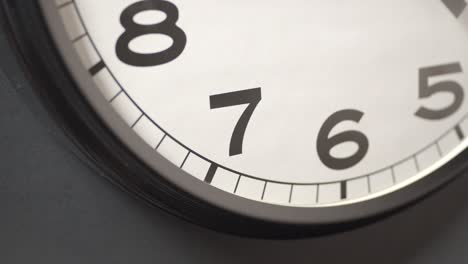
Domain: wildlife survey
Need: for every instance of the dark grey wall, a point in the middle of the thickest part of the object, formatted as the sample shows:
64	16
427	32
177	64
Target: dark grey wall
55	209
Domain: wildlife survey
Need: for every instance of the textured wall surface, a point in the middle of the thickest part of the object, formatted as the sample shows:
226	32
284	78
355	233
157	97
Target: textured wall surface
55	209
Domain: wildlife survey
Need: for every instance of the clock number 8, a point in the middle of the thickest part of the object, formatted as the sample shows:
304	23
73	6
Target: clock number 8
134	30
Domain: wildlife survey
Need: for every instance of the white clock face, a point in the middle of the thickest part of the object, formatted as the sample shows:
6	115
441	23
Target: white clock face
297	103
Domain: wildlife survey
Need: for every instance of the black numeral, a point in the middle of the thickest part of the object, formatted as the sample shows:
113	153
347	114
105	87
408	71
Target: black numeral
133	30
325	142
427	90
251	97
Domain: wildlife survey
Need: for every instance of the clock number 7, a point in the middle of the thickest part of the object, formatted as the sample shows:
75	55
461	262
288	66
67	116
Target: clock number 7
251	97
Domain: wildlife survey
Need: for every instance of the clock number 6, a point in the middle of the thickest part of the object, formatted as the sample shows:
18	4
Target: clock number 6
251	97
427	90
133	30
325	142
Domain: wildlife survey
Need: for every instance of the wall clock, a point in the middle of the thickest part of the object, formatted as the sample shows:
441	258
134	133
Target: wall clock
266	118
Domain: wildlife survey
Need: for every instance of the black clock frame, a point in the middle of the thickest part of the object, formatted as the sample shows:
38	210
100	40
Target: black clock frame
71	110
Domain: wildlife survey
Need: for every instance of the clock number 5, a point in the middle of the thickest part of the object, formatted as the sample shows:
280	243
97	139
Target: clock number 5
427	90
325	142
251	97
133	30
